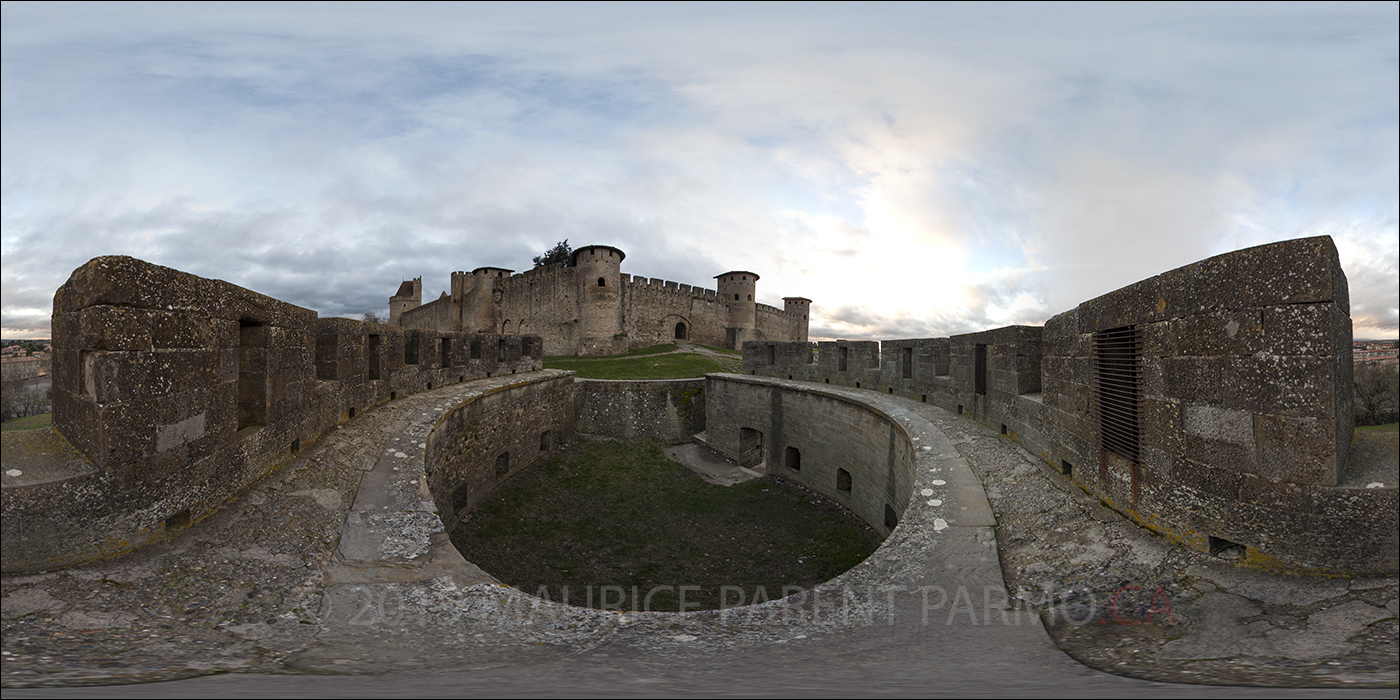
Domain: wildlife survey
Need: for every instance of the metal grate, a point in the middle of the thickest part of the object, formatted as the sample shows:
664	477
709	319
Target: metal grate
979	369
1118	390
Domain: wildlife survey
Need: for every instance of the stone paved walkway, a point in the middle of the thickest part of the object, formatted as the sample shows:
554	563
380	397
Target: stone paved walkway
301	576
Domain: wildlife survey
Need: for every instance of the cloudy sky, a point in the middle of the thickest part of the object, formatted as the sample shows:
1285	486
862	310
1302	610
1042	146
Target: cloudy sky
916	170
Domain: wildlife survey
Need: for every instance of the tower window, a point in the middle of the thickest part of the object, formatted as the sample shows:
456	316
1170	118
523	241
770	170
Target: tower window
736	297
602	282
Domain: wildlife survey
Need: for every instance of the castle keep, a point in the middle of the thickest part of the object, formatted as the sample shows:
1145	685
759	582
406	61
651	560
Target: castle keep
590	307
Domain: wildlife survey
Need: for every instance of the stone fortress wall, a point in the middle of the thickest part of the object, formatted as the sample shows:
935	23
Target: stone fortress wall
173	393
1211	403
592	308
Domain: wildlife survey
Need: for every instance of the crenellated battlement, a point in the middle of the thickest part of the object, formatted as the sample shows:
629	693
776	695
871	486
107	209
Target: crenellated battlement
591	307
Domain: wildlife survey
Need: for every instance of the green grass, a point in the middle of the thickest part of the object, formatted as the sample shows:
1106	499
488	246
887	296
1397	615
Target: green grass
727	351
621	514
673	366
42	420
1385	428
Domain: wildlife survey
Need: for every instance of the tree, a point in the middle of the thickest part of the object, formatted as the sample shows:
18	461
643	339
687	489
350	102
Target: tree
558	254
371	318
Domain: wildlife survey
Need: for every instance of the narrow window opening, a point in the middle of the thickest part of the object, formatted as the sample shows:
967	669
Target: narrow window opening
1118	390
393	395
501	350
296	446
1066	468
891	518
410	348
736	297
446	352
908	363
841	355
461	498
461	378
430	385
503	463
373	357
828	381
793	459
178	520
750	297
1003	428
475	348
352	411
857	385
789	376
772	354
960	409
889	390
843	480
602	282
544	441
979	369
923	398
252	374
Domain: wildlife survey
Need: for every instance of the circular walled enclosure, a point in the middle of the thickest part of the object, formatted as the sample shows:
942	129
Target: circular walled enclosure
881	438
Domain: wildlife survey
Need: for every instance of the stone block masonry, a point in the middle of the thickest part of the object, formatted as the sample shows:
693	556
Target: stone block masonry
181	392
1211	403
669	410
591	307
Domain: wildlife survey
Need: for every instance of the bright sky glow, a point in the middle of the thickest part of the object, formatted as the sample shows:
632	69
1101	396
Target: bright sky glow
916	170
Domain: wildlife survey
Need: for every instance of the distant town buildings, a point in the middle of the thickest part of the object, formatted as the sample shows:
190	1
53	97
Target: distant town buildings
1380	351
18	362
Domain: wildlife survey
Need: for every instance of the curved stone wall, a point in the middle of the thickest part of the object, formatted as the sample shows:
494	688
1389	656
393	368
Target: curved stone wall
849	450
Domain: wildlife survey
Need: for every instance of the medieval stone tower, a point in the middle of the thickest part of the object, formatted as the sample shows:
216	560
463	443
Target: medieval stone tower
798	306
736	289
409	296
598	279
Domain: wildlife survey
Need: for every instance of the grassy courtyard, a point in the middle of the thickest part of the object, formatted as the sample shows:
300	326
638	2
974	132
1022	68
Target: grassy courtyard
621	514
656	362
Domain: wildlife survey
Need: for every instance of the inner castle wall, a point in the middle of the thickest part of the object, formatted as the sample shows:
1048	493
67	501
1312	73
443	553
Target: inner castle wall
591	307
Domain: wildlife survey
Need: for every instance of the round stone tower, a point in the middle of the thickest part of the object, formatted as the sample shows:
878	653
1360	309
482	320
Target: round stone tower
598	276
737	289
798	306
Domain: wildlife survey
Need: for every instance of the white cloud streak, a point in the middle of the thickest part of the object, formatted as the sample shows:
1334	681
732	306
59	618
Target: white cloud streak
916	170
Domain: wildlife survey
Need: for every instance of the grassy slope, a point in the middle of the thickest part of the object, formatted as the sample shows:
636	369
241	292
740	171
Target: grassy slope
644	363
42	420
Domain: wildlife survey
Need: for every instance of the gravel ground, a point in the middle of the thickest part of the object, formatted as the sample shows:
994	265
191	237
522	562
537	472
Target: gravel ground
243	590
1122	599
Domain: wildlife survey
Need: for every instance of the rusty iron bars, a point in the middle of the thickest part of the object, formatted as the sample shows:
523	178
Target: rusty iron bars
1118	390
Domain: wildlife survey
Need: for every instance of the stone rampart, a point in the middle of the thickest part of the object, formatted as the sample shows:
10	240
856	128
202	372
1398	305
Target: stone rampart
180	392
669	410
1211	403
477	444
849	450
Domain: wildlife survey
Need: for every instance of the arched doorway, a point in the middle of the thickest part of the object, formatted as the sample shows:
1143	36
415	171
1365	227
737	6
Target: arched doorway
681	330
